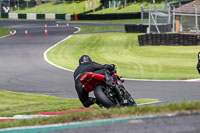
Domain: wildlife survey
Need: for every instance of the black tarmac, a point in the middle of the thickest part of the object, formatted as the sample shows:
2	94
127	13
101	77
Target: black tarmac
176	124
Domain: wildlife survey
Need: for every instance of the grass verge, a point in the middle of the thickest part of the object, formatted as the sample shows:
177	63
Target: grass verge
132	61
5	31
100	28
22	103
109	113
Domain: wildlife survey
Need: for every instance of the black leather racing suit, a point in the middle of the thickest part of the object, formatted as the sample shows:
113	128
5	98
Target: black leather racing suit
88	67
198	64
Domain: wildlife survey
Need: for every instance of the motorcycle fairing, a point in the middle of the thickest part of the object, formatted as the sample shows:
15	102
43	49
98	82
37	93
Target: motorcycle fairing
89	80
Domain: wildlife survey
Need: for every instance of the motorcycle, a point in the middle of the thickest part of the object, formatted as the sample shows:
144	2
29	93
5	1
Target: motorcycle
112	95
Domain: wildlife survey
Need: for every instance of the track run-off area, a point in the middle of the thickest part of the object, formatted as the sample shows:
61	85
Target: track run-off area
24	69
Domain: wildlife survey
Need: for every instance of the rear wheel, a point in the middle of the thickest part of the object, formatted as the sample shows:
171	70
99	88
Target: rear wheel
103	98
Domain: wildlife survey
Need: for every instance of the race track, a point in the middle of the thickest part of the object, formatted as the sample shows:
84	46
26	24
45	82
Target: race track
22	66
23	69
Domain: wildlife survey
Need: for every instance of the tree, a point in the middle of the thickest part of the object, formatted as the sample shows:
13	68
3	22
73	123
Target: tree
39	2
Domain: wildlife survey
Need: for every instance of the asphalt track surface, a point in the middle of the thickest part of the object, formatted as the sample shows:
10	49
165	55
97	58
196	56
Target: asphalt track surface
23	68
177	124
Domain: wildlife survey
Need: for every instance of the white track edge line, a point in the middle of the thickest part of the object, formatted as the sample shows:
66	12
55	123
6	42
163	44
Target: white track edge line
149	103
187	80
45	53
51	63
79	29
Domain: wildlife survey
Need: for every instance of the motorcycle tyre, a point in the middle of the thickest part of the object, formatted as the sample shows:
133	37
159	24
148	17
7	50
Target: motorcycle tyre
133	103
102	98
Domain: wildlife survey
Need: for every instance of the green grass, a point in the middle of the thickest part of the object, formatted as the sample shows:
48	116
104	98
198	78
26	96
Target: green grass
183	107
100	28
5	31
22	103
132	61
80	7
68	8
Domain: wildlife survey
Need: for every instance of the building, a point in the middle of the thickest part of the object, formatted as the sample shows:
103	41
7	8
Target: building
187	17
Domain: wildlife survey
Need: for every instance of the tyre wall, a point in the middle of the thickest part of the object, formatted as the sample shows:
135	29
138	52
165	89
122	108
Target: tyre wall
169	39
142	28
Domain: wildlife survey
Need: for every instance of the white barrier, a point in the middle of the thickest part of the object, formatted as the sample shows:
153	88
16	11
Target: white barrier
34	16
67	17
31	16
13	15
50	16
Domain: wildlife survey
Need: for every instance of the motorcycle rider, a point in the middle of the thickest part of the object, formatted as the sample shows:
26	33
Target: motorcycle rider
87	65
198	64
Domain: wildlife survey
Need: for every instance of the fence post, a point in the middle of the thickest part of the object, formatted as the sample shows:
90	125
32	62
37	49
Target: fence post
155	11
142	14
17	5
27	7
0	8
196	19
149	21
173	19
169	20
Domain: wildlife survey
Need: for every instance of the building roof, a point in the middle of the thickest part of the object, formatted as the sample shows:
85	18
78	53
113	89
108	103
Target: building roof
189	8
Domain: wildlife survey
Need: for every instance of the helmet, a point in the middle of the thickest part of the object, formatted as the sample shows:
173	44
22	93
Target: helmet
84	59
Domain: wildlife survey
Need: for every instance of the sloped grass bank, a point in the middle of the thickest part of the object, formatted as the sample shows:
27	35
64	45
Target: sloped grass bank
78	7
131	7
68	7
132	61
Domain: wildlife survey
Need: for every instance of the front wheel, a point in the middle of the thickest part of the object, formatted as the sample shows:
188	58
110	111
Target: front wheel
102	98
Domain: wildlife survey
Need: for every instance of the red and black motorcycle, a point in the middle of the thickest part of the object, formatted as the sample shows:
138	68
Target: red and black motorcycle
113	95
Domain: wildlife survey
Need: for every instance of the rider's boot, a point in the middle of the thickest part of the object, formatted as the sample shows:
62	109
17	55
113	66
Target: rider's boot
90	102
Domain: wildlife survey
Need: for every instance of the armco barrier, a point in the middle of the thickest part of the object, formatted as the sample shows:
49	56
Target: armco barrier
72	17
169	39
34	16
40	16
22	16
60	16
4	15
112	16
